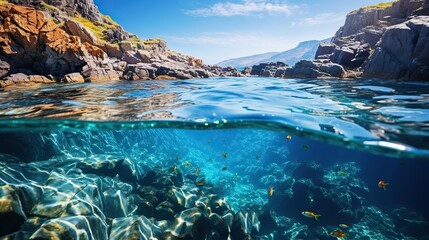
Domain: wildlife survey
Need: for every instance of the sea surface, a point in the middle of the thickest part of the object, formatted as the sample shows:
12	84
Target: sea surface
218	158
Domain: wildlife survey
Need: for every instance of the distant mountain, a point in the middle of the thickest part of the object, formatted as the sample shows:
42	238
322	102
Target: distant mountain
304	50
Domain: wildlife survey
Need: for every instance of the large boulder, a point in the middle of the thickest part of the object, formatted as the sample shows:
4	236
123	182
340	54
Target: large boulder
77	29
100	75
73	78
30	41
324	49
402	53
335	70
4	69
135	227
343	56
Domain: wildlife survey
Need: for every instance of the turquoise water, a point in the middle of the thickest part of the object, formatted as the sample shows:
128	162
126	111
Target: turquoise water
118	160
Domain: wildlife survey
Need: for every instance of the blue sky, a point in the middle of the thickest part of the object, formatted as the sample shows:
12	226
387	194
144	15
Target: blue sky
220	30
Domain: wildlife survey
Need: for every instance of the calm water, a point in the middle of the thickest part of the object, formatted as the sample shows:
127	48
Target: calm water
221	158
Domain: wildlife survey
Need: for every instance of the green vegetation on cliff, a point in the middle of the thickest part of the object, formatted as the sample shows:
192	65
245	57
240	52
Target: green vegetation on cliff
379	6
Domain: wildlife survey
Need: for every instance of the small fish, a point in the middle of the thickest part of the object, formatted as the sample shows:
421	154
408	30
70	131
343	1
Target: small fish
175	169
257	157
342	173
270	191
311	215
339	234
288	137
177	157
201	182
209	141
305	147
196	171
224	154
343	225
186	163
224	168
383	184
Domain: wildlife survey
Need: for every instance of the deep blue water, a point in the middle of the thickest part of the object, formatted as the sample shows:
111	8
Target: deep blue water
99	155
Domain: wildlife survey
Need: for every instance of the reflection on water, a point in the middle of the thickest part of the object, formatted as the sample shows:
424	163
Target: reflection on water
358	111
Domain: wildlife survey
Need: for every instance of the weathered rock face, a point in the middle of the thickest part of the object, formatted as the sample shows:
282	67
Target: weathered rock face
403	52
384	34
85	8
32	46
31	42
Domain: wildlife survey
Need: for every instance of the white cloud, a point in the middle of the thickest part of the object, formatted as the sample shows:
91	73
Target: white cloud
244	8
320	19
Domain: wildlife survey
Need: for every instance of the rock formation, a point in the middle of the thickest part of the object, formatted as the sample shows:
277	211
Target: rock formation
383	42
387	41
71	41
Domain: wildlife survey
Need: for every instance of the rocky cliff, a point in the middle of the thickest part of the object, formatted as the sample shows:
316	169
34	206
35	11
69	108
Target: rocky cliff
71	41
385	41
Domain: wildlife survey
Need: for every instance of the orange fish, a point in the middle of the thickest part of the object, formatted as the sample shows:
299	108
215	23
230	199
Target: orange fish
383	184
339	234
224	154
196	171
201	182
311	215
289	137
270	191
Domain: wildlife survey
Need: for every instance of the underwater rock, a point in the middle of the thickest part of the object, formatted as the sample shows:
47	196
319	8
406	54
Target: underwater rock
164	211
219	204
218	227
126	169
148	178
374	224
76	227
68	196
116	200
180	198
135	227
189	224
11	211
268	223
244	225
410	223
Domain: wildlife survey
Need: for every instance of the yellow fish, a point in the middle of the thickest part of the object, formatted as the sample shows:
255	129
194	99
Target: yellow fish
343	225
201	182
175	169
342	173
186	163
339	234
311	215
270	191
